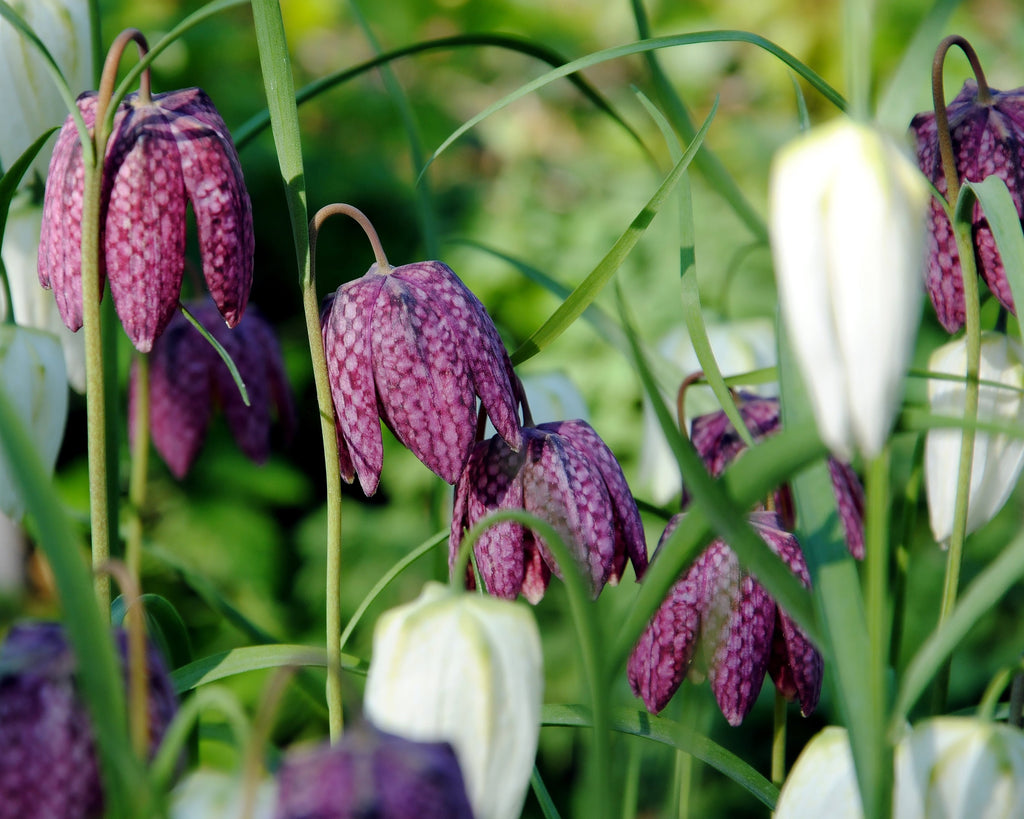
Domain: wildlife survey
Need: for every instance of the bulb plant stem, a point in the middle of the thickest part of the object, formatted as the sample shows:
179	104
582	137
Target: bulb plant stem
135	623
778	773
972	335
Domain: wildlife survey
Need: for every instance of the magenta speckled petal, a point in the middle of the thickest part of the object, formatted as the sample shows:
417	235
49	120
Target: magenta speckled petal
423	387
718	443
850	502
628	528
468	321
144	241
349	350
796	666
60	239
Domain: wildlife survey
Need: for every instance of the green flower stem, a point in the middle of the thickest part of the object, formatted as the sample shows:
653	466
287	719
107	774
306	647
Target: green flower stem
140	465
901	549
972	320
135	619
857	55
683	779
878	796
779	740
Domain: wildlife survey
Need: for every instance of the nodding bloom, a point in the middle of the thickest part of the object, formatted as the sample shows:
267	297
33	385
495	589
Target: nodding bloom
372	773
718	620
188	377
48	762
566	475
164	152
988	140
412	346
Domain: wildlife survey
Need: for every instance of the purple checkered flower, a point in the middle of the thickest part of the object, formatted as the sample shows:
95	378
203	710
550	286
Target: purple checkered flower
414	347
718	443
48	764
163	153
564	474
988	140
188	377
719	621
371	773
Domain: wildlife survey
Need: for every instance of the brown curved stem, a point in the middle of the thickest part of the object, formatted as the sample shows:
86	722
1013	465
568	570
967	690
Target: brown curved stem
343	209
688	382
110	66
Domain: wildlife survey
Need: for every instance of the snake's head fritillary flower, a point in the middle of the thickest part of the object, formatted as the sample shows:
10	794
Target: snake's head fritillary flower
188	378
48	762
848	213
372	773
164	153
988	140
998	457
718	444
465	669
719	621
413	347
566	475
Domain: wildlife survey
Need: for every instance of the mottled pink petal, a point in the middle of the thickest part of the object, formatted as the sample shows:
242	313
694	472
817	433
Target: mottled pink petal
717	441
144	242
424	389
349	353
795	666
468	321
850	502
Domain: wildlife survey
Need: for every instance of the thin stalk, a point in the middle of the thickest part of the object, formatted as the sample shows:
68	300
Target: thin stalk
683	783
901	551
878	801
857	55
972	338
779	714
140	465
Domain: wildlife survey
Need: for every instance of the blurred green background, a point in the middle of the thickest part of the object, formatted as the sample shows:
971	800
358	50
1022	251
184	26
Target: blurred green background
550	182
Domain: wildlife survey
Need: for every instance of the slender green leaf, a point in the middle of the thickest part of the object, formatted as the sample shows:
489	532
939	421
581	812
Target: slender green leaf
580	298
666	732
256	125
983	593
255	658
547	805
235	376
997	204
617	52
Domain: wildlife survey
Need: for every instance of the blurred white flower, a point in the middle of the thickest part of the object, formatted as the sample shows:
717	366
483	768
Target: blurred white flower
466	669
32	375
29	99
33	306
209	794
739	346
998	457
847	223
960	768
823	781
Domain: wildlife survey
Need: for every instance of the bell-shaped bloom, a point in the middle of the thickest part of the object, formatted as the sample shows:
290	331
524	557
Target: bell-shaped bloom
32	376
164	153
718	443
847	220
372	773
188	378
48	763
566	475
960	768
988	140
29	97
464	669
413	347
30	305
720	622
998	457
213	793
823	781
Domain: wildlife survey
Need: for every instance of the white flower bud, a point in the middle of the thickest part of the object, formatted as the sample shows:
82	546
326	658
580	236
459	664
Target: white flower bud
848	227
823	781
466	669
998	457
210	793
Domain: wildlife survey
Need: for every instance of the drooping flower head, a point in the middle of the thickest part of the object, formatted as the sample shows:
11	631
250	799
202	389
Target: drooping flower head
988	140
48	762
372	773
412	346
566	475
720	622
165	152
188	378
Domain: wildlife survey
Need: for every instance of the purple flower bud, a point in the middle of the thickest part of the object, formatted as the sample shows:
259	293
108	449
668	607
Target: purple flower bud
187	377
48	764
564	474
371	773
162	154
719	621
414	347
988	140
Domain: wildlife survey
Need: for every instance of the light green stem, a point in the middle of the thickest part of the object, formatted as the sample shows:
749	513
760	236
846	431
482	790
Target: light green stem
857	55
779	740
